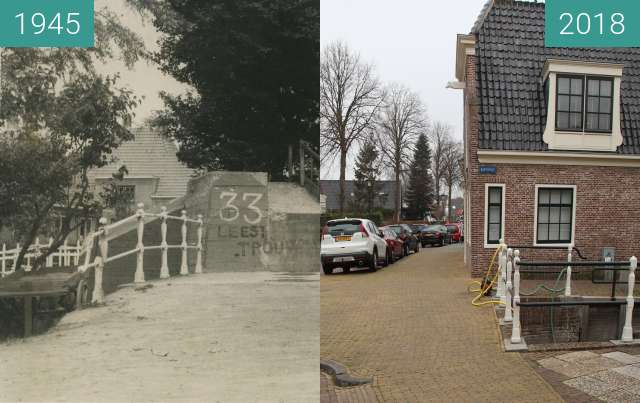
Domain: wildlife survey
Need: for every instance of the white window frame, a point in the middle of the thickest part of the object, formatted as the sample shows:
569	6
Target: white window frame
573	215
486	213
585	140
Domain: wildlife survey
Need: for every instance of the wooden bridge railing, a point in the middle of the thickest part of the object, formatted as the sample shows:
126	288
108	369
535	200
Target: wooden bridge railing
103	238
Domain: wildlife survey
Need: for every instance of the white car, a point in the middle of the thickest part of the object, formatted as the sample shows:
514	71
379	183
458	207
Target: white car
352	242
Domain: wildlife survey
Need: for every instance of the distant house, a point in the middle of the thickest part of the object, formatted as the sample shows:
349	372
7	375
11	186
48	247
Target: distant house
330	193
155	177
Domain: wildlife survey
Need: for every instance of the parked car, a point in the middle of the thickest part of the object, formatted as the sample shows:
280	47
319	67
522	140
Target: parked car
405	233
352	242
436	235
395	244
455	231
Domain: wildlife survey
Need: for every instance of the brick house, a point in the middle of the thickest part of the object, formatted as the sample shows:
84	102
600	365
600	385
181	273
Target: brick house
552	140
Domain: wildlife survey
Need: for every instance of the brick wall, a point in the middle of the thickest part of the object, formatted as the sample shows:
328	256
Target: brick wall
607	200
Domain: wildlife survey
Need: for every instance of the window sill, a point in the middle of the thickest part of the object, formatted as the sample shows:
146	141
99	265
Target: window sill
582	141
553	245
491	246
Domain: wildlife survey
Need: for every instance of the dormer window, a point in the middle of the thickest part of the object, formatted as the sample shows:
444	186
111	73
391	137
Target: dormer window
583	101
575	94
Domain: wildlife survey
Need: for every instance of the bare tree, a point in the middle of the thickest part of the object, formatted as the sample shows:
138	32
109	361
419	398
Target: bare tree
402	119
452	174
441	141
350	97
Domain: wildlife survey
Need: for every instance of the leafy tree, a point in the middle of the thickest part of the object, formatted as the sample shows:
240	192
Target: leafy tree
420	190
58	119
118	197
254	69
366	187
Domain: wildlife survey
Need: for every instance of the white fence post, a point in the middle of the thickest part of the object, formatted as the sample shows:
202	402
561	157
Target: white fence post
76	257
184	269
508	315
199	255
103	243
4	259
515	329
502	276
567	286
50	257
164	269
627	331
139	276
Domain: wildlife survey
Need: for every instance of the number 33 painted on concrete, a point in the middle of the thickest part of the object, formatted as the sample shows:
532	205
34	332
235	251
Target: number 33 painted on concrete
229	206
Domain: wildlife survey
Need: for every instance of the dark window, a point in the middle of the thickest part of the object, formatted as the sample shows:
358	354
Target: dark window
574	94
343	227
555	215
570	103
599	104
494	215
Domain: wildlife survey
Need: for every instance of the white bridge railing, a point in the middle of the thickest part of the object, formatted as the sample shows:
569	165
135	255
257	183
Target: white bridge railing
509	292
102	235
66	255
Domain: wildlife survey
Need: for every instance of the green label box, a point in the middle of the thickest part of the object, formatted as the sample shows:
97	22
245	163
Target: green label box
592	23
46	23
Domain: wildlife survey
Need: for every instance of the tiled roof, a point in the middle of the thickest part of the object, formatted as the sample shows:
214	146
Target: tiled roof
331	189
511	55
150	155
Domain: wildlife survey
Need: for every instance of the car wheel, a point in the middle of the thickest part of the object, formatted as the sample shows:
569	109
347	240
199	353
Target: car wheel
373	265
327	269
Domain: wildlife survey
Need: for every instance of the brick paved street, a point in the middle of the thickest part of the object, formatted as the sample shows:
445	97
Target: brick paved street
412	328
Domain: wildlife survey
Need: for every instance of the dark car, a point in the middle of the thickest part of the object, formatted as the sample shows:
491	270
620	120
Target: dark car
435	235
405	233
394	243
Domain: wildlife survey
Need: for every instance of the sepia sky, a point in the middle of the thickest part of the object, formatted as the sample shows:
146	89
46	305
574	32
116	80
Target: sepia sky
145	79
409	41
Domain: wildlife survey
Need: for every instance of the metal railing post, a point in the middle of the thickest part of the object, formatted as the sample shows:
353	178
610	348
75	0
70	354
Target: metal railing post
139	276
199	251
627	330
502	276
508	314
103	244
515	329
184	269
164	269
567	286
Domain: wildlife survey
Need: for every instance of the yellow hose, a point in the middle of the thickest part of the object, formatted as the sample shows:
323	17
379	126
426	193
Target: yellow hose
482	291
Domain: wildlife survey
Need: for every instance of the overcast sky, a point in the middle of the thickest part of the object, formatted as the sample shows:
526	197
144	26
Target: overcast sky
409	41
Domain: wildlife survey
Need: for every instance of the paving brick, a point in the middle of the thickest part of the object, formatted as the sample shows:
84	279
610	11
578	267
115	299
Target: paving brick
412	328
623	358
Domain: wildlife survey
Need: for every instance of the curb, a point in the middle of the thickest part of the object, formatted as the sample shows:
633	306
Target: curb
340	375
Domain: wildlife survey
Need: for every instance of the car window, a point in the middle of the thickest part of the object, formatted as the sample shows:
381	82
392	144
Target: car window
396	228
432	228
452	229
336	228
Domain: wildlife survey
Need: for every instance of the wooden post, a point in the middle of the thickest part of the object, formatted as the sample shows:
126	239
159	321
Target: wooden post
199	255
184	269
502	276
515	329
50	257
4	259
508	315
103	244
139	276
15	258
302	173
76	258
89	247
627	330
567	285
164	269
28	315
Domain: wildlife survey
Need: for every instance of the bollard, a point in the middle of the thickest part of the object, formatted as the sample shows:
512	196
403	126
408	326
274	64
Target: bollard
199	253
627	330
139	276
567	286
502	276
164	269
184	269
515	329
508	308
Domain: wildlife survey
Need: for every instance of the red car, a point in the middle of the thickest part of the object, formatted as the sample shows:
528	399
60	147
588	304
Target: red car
455	231
395	244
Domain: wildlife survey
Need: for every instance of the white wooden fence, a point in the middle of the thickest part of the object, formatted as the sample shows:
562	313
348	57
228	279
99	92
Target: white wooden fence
103	237
66	255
